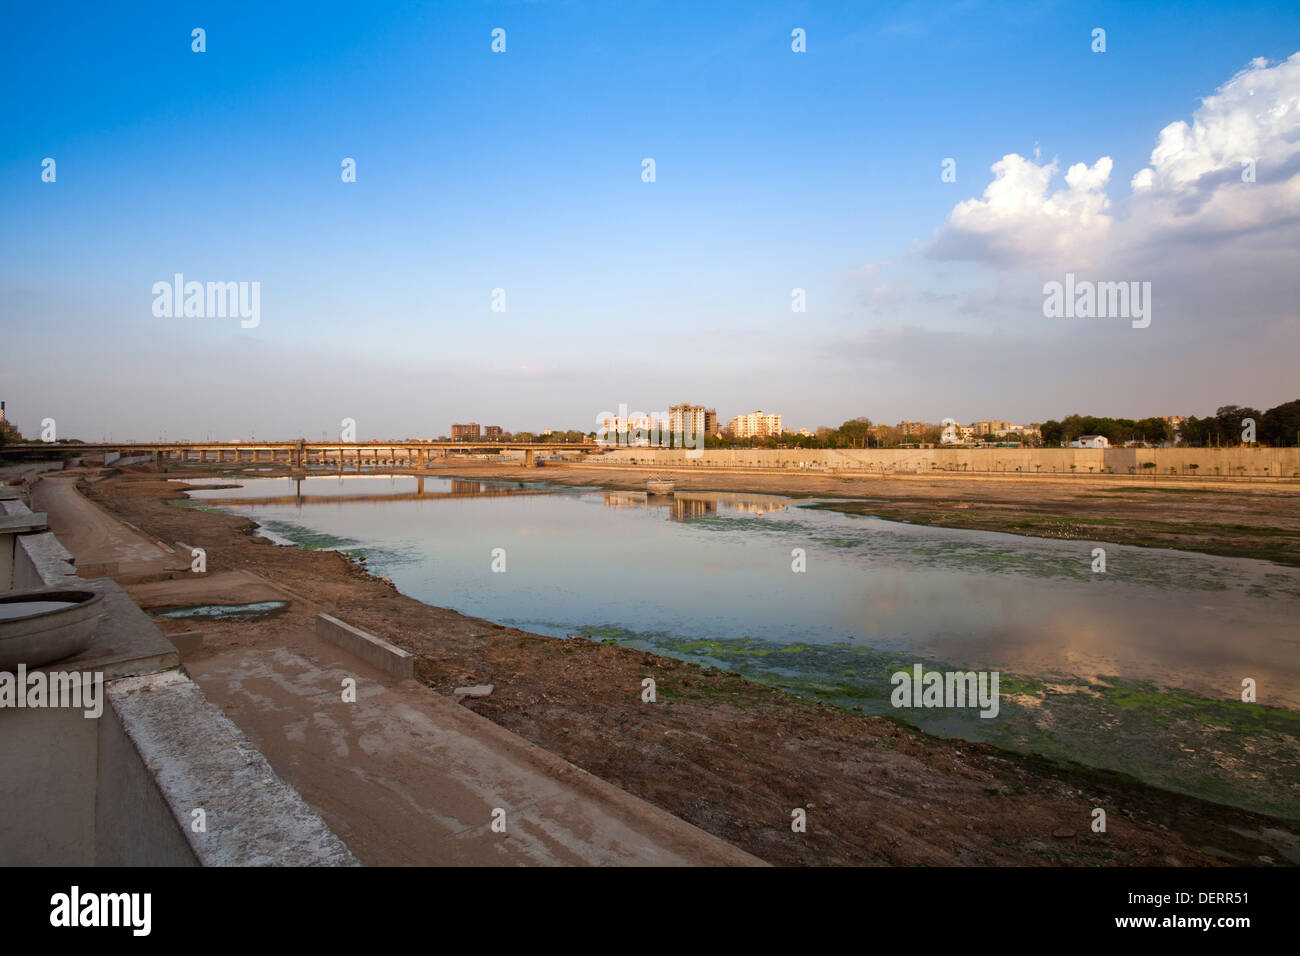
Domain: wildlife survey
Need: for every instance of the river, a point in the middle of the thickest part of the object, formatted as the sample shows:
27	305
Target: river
1137	668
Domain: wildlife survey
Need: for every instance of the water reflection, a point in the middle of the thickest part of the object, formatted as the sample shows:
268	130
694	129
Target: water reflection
1030	606
709	577
689	506
360	489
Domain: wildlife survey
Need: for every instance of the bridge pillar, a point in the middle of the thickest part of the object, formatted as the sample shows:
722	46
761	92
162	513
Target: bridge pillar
528	458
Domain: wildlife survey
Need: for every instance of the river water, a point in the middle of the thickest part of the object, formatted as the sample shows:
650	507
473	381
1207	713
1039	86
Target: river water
1139	668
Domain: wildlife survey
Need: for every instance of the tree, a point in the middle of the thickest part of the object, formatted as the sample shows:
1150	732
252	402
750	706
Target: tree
1228	420
886	436
856	432
1154	430
1280	425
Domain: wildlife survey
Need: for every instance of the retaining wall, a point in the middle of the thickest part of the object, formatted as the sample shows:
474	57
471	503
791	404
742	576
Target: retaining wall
1234	462
121	789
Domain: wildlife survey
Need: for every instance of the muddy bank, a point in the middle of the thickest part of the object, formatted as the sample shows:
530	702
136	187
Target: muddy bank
735	757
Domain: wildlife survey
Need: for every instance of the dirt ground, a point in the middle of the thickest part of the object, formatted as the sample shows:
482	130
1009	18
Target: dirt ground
735	758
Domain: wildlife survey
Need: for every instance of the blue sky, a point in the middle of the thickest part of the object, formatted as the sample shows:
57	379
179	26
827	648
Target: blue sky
522	171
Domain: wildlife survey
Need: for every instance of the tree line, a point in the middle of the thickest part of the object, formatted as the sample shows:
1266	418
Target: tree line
1229	425
1276	427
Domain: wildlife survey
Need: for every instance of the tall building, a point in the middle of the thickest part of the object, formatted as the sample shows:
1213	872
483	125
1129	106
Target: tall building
7	431
691	420
465	432
755	425
989	426
635	430
915	428
492	431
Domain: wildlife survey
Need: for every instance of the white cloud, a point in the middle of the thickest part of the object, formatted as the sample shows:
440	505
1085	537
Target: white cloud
1021	221
1255	115
1191	198
1194	189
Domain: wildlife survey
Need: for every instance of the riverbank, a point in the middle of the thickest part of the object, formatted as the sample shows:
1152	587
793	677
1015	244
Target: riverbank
1256	520
730	756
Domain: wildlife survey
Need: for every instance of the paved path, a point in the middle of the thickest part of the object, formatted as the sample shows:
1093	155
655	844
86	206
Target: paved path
403	775
99	542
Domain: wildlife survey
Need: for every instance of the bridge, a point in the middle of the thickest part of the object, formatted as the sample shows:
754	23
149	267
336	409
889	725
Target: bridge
300	453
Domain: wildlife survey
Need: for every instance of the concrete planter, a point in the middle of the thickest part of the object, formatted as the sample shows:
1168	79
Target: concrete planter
46	634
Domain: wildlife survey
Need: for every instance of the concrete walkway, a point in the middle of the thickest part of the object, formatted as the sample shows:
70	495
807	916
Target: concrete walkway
406	776
403	775
101	544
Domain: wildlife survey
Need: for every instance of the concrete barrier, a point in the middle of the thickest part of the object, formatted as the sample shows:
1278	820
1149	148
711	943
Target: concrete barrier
186	642
121	788
165	751
1237	463
373	650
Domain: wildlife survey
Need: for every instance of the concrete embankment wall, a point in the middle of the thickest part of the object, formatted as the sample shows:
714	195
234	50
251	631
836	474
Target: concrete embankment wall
373	650
121	788
1226	462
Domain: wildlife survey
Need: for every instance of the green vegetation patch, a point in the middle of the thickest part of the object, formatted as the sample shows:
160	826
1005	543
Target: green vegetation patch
1243	755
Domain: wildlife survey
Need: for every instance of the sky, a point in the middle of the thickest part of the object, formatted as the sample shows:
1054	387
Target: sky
523	171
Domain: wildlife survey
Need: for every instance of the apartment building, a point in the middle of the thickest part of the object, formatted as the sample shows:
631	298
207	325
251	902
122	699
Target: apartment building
467	432
690	420
492	431
988	427
916	429
635	430
758	424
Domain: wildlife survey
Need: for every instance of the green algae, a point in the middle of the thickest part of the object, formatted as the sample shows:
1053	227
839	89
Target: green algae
1240	754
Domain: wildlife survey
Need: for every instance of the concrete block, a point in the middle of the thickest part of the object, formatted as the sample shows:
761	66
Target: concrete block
478	690
186	641
97	569
373	650
194	756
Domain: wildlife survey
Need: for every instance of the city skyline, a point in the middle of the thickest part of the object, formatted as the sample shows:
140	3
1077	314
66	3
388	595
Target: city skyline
659	420
781	177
